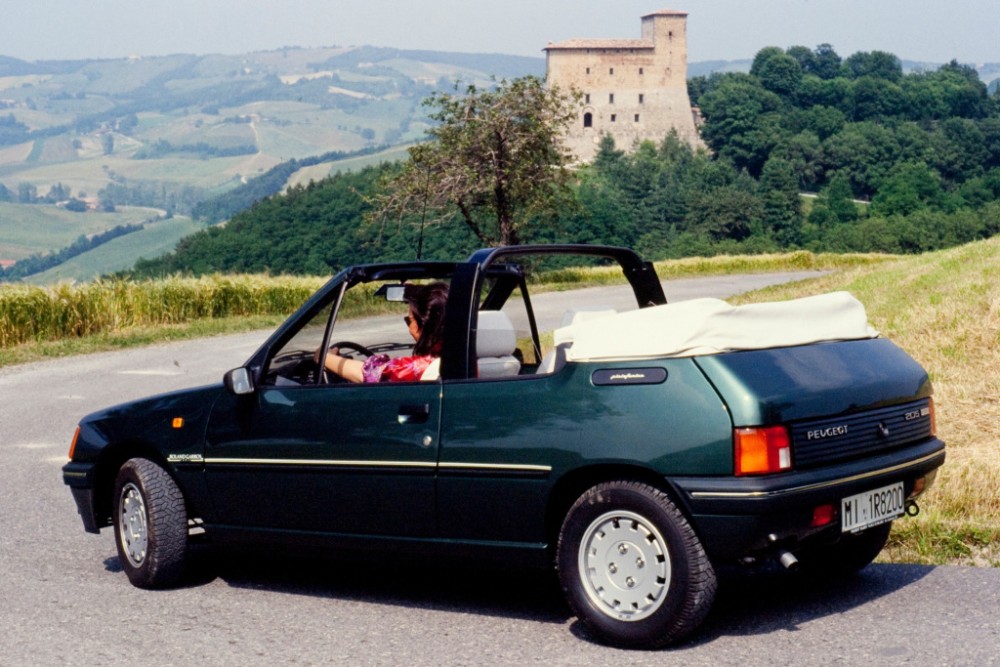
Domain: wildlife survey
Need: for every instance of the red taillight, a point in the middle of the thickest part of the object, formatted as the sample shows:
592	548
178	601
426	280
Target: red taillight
72	445
762	450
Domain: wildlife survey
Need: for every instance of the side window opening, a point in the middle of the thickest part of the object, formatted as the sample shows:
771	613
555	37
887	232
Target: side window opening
359	320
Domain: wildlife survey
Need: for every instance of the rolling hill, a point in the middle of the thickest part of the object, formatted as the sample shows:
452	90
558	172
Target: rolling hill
175	131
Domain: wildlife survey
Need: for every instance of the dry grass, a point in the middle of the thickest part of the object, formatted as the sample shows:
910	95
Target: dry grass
943	308
574	277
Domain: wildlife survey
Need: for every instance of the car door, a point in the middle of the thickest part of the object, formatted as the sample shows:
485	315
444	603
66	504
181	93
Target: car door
308	453
338	458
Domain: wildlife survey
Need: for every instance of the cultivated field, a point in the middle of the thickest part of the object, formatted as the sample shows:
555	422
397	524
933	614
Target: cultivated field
38	229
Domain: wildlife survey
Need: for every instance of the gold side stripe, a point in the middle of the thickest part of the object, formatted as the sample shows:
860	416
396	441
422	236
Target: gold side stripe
379	464
813	487
321	462
496	466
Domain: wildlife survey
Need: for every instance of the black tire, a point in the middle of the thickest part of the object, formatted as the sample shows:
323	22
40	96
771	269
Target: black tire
845	556
150	522
632	568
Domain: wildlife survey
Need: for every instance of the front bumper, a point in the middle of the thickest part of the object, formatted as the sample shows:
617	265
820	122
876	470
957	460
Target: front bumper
80	479
737	516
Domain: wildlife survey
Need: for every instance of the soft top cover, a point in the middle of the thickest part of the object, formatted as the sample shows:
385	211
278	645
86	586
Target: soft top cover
711	326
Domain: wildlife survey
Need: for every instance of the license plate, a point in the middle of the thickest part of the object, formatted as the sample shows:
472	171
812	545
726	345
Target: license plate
871	508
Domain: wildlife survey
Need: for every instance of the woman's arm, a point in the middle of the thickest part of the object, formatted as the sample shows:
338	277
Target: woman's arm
349	369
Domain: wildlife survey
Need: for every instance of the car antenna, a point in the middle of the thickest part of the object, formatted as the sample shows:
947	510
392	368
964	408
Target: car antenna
423	217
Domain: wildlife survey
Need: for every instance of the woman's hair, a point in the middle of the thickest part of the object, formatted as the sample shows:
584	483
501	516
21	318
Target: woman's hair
427	303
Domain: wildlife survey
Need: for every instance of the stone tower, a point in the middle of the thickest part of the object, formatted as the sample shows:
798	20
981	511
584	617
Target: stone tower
633	89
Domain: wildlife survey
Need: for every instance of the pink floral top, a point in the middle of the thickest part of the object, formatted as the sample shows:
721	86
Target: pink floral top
380	368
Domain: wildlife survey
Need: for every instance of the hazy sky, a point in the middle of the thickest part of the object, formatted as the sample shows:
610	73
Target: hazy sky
922	30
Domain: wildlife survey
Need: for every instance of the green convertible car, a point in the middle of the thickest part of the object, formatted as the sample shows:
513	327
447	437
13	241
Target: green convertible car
633	445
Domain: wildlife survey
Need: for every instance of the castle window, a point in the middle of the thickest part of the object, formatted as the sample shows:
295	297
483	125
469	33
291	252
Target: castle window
640	71
611	71
637	118
613	117
611	98
642	98
588	119
588	70
586	98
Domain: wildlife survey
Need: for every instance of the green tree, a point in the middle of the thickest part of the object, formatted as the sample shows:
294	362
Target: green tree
910	187
825	64
959	149
108	143
495	159
778	72
729	211
877	64
865	152
804	153
743	121
803	56
782	205
876	99
27	193
840	199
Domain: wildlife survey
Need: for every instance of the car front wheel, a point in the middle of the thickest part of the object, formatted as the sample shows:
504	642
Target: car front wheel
632	568
150	523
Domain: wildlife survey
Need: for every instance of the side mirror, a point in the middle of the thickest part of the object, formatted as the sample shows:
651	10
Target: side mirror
239	381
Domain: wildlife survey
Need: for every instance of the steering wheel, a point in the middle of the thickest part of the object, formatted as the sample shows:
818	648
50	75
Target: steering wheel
353	346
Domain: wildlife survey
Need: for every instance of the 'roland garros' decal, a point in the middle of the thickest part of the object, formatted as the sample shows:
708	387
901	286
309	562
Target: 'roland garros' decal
629	376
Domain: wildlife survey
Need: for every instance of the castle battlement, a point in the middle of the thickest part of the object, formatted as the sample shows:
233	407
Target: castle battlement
633	89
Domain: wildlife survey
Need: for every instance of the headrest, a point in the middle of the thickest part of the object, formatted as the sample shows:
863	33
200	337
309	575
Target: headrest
495	335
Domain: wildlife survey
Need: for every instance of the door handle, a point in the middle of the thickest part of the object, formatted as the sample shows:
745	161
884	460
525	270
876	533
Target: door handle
414	414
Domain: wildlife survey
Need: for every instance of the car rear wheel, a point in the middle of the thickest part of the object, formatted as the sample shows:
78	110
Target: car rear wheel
632	568
150	523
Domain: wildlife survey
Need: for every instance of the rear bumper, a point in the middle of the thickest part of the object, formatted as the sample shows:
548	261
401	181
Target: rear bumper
738	516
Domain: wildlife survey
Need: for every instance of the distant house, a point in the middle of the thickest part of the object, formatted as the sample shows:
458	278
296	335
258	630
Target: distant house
633	89
7	263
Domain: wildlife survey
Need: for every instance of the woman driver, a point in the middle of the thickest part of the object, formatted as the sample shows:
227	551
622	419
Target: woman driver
425	323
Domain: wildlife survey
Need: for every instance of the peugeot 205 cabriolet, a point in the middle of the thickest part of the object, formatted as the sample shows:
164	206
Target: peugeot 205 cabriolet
632	445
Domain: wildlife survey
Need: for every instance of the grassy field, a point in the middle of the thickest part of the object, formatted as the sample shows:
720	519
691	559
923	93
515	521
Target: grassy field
943	308
322	170
28	230
157	238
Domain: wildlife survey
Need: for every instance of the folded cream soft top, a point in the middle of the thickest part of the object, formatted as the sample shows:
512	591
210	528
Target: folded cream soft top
711	326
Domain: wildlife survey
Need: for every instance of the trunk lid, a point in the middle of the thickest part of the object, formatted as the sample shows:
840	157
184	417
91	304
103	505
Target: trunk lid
809	382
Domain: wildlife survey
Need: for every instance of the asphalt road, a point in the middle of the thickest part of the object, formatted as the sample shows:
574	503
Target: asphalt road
65	601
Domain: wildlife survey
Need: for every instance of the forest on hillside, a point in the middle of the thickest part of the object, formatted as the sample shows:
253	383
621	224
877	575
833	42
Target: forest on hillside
898	163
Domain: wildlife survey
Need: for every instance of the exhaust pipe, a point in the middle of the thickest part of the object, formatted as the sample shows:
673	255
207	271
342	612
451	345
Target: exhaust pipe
788	560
